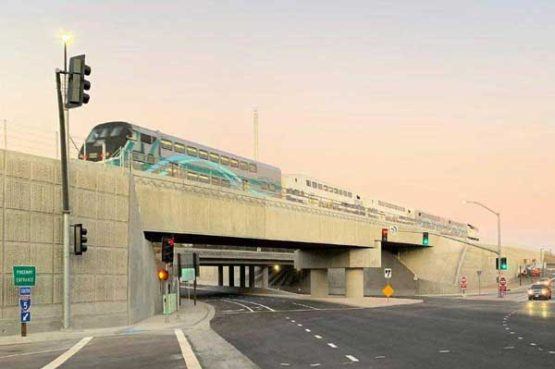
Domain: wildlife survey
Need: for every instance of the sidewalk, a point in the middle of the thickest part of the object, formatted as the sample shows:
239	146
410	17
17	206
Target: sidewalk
187	317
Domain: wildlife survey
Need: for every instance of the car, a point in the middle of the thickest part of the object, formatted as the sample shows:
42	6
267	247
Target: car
539	291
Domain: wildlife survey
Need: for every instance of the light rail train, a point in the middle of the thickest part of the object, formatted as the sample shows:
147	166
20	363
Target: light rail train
122	144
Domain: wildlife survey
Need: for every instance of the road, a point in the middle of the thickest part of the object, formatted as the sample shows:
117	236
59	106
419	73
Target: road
440	333
276	332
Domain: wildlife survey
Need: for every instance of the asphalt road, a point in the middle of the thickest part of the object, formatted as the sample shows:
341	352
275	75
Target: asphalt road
277	332
440	333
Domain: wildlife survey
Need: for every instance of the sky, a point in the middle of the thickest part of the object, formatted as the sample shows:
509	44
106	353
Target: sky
424	104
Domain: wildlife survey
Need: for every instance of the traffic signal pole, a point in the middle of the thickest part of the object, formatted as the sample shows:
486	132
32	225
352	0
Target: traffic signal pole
65	201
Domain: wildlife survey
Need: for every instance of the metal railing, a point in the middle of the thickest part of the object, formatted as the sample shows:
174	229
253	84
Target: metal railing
35	140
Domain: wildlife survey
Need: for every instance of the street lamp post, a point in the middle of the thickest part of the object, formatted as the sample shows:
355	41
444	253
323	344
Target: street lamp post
498	215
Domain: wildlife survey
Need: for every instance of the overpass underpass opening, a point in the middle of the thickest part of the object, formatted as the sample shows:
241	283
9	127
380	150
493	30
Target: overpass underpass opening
401	246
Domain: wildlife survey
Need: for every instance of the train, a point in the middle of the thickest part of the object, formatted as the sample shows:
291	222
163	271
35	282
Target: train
122	143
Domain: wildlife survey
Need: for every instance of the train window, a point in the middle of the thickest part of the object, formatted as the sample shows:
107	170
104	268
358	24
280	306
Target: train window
349	194
147	139
264	186
226	183
214	157
335	190
224	160
325	187
308	183
215	181
319	186
243	165
116	131
103	133
314	184
203	154
133	136
192	151
192	176
204	178
166	144
252	167
180	148
234	163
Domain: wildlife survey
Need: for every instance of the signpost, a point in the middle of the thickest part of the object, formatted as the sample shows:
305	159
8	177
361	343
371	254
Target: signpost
479	273
24	277
387	273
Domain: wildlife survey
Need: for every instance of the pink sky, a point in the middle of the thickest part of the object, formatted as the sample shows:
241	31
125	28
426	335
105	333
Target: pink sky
424	106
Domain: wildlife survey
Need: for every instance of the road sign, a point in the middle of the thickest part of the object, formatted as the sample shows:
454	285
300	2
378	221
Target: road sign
388	291
24	291
387	273
502	281
187	274
25	316
24	275
25	304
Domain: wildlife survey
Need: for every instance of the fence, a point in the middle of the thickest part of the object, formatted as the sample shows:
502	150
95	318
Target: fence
35	140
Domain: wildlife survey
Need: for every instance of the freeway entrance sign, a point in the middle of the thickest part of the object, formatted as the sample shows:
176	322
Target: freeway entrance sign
25	317
24	275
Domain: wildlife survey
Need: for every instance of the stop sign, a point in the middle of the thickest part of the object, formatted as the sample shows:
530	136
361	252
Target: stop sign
502	281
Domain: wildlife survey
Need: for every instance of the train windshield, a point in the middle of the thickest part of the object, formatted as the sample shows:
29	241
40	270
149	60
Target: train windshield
105	140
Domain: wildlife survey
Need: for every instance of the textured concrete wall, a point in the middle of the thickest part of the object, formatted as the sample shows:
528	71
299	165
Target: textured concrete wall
175	205
31	234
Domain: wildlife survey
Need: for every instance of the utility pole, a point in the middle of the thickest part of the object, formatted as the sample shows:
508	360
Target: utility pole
255	126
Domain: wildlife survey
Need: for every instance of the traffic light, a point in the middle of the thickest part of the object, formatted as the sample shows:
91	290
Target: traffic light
163	274
79	239
501	265
167	249
385	231
425	239
77	84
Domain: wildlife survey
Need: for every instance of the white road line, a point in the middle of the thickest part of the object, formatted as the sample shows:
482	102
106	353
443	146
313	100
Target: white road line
520	338
318	336
532	344
31	353
292	321
306	306
380	357
264	306
191	360
552	352
66	355
352	358
238	303
444	351
307	330
332	345
299	325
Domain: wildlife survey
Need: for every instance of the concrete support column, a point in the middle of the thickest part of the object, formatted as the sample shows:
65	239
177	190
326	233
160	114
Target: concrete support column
265	276
251	276
220	275
242	276
231	275
354	282
319	285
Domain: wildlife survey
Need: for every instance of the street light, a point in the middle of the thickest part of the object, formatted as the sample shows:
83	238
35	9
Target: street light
498	215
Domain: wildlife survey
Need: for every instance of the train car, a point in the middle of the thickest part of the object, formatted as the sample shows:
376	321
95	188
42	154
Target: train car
304	189
119	143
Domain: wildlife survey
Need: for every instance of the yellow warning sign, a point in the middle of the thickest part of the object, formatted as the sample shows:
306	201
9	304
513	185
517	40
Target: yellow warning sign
388	291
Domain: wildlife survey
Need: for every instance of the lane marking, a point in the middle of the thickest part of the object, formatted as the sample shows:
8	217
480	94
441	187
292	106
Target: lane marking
287	317
552	352
509	347
284	364
520	338
332	345
318	336
264	306
238	303
380	357
315	364
191	360
66	355
307	330
292	321
352	358
444	351
306	306
299	325
532	344
32	353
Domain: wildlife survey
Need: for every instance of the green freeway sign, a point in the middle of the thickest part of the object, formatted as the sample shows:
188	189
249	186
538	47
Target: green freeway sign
24	275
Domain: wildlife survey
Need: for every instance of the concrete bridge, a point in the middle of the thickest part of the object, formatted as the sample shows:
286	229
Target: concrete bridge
115	282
